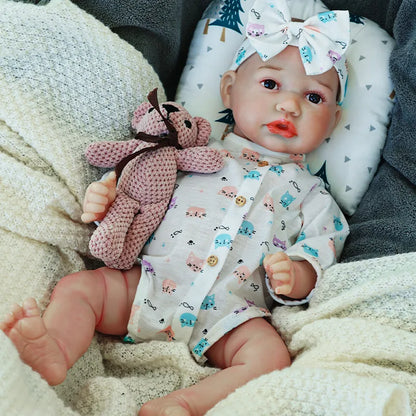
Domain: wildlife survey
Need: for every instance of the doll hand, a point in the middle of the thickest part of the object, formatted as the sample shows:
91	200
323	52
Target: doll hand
98	198
281	272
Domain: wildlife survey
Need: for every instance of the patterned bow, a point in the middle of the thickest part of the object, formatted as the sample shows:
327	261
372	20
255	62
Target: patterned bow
322	39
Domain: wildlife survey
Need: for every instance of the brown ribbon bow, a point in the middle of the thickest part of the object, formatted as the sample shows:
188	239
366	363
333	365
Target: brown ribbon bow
162	140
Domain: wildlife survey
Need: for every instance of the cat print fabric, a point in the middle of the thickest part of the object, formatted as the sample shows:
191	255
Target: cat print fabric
202	271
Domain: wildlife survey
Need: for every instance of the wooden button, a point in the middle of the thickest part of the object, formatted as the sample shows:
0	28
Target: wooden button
240	201
212	260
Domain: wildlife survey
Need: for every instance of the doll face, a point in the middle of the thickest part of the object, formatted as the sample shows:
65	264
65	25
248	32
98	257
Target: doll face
276	105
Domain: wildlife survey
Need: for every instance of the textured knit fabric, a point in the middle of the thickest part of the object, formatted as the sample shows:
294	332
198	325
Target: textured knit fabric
160	29
47	121
146	184
352	345
65	82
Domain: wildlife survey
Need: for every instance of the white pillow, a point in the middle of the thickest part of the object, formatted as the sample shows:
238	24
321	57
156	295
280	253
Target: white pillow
347	161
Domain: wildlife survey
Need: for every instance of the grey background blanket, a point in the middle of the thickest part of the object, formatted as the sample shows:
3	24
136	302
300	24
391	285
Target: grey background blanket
385	221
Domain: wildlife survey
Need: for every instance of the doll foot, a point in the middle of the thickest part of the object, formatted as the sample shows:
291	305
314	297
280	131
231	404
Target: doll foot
25	328
172	405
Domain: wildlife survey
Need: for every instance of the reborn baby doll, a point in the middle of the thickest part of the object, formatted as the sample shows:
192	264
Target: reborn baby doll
262	229
146	175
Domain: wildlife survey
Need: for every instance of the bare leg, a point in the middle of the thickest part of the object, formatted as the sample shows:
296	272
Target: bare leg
80	304
242	358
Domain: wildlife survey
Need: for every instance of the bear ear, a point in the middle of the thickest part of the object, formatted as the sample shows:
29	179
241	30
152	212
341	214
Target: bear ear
140	111
204	131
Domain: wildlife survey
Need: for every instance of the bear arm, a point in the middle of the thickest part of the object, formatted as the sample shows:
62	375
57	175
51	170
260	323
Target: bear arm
199	159
108	154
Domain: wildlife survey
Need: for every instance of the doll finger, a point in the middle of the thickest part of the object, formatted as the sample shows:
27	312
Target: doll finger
17	312
5	324
110	179
283	289
281	267
88	217
272	259
8	320
267	263
97	199
283	284
267	259
94	208
281	278
276	257
276	283
97	188
92	189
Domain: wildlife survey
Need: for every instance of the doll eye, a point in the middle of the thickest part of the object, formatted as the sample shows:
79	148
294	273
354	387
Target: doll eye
170	108
270	84
188	124
314	98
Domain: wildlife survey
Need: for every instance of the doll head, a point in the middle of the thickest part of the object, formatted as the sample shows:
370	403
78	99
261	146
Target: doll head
276	105
159	120
166	125
287	78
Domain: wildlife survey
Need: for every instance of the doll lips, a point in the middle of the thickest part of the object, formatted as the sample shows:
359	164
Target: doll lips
283	128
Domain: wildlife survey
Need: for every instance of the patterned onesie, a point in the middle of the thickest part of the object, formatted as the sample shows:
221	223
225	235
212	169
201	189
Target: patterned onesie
202	271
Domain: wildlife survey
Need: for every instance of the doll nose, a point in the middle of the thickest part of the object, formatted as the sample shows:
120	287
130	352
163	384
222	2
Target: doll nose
289	104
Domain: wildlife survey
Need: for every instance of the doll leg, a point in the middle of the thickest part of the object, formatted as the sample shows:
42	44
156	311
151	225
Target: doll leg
80	304
108	239
250	350
142	227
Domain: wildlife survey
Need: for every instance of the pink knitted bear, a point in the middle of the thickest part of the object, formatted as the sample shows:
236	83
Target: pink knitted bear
147	177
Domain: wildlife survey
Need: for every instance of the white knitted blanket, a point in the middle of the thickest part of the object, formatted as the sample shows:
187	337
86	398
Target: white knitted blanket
65	81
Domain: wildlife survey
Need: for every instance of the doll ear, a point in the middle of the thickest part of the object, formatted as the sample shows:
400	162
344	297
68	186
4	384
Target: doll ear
204	131
226	85
140	111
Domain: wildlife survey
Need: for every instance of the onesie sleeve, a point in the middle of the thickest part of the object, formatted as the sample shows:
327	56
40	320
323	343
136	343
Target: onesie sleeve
321	237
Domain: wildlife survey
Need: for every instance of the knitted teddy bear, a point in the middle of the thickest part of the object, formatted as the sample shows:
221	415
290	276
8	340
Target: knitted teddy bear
168	139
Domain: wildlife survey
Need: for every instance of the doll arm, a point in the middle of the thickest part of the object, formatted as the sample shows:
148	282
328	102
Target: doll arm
108	154
199	159
319	244
288	277
98	198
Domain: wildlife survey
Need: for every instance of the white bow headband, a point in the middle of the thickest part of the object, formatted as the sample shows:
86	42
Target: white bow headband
322	39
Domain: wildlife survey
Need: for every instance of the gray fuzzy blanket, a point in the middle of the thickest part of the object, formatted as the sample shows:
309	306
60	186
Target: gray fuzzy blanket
385	222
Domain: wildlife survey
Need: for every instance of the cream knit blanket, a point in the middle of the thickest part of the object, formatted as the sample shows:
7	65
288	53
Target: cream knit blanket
65	81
